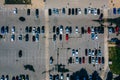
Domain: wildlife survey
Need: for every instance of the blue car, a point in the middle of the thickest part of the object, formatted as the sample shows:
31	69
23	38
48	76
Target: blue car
114	11
118	10
2	30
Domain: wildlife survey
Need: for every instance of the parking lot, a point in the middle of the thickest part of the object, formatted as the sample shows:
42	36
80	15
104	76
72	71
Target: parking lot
37	53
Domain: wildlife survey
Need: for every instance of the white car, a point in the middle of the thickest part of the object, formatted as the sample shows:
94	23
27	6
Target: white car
13	37
79	11
13	29
15	11
61	29
89	10
34	30
76	52
76	29
95	11
61	76
93	52
68	77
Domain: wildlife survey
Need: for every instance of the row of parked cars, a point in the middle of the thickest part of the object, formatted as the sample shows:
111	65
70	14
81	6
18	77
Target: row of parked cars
21	77
113	29
116	11
74	11
34	30
5	29
35	38
59	77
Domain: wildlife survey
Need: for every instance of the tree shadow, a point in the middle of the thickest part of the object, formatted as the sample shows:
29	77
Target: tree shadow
109	76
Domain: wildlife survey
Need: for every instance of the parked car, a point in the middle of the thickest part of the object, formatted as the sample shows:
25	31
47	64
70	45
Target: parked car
37	37
6	29
86	52
54	29
2	30
93	52
98	11
37	13
114	11
27	77
111	30
96	60
57	31
43	29
50	77
70	60
34	30
61	76
27	37
89	30
76	51
13	29
13	37
33	38
76	11
89	59
68	76
26	29
49	12
20	37
57	77
38	30
61	29
79	11
60	37
51	60
118	10
28	11
89	52
73	52
69	11
93	60
82	30
103	60
13	78
30	29
99	60
54	37
117	29
83	59
67	29
76	29
7	77
73	11
85	11
67	37
77	60
15	11
63	10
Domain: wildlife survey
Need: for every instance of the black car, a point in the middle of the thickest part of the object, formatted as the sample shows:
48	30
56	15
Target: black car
76	11
89	60
27	77
2	29
54	37
96	51
73	11
100	29
98	11
26	29
57	31
7	29
85	11
33	38
103	60
30	29
13	78
20	53
43	29
70	29
63	10
60	37
80	60
28	11
69	11
51	60
38	30
27	37
54	28
82	30
86	52
37	12
70	60
96	29
49	12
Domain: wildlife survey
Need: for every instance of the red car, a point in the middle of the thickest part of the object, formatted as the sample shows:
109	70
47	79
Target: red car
89	30
67	37
83	59
116	29
99	60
